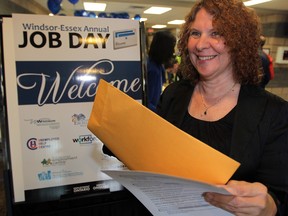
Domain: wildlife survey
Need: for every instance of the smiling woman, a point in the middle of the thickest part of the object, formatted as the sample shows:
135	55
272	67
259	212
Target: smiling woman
219	101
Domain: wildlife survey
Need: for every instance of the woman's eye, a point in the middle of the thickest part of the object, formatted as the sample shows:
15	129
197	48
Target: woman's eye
194	34
215	34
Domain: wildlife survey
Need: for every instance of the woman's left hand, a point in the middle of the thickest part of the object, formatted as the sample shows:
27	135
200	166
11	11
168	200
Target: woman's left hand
246	198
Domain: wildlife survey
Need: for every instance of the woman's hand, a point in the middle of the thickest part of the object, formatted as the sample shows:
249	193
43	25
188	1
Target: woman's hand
246	199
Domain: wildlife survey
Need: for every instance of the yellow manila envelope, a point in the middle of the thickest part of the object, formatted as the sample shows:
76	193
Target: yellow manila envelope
144	141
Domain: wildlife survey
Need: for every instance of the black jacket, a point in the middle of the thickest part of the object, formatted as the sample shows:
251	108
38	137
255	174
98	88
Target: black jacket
260	134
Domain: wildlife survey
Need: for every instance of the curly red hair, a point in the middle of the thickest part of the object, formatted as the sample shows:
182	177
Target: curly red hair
240	28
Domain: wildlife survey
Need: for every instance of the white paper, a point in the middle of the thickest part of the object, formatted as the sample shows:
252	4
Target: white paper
165	195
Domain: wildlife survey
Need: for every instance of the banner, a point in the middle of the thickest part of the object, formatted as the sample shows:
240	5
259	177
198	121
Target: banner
52	69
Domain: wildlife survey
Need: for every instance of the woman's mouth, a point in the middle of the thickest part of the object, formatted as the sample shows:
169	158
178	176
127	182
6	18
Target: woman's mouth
206	57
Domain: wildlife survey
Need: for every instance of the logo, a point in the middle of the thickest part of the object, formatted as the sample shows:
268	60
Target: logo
44	176
84	139
57	161
79	119
47	162
84	188
44	122
42	143
49	175
32	144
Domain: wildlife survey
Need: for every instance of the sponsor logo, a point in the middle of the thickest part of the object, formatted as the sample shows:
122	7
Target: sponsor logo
44	176
57	161
84	139
100	186
47	162
49	175
51	123
43	143
79	189
32	144
125	38
79	119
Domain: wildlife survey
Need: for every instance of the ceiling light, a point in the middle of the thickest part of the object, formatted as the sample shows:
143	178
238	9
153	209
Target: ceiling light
176	22
254	2
90	6
158	26
157	10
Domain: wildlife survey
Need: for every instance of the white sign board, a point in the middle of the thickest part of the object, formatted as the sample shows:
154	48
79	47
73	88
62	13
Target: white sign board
52	66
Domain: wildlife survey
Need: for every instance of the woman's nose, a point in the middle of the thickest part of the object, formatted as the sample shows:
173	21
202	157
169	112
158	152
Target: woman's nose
202	43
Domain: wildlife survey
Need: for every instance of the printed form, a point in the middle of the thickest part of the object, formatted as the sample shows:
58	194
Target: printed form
165	195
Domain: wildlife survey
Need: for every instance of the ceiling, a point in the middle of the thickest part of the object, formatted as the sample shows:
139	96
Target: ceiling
179	8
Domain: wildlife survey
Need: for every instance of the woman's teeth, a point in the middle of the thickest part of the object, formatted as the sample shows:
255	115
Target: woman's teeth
206	57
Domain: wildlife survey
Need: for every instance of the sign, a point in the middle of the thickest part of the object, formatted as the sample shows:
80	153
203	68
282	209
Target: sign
52	69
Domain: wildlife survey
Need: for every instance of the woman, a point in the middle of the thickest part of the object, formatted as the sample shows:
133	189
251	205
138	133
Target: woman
219	101
161	51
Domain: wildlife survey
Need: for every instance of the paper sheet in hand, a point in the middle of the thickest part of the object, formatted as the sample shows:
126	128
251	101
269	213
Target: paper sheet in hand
165	195
144	141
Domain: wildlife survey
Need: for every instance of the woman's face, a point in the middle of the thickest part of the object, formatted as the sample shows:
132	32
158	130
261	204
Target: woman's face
207	49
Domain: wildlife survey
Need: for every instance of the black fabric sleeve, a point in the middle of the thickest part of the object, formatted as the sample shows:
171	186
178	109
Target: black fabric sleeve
281	202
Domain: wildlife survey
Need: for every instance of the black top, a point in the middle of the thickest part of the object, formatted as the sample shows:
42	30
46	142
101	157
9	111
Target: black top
213	133
259	136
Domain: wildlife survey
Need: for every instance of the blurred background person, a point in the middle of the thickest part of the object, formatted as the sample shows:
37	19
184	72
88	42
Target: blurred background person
171	68
161	51
267	64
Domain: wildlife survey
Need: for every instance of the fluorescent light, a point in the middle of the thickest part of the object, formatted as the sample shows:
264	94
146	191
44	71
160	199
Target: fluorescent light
254	2
158	26
90	6
176	22
157	10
